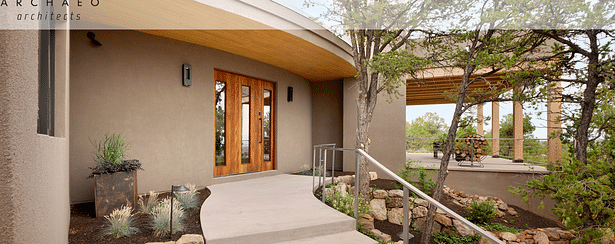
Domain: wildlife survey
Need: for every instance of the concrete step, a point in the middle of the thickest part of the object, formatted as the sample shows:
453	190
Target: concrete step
269	210
349	237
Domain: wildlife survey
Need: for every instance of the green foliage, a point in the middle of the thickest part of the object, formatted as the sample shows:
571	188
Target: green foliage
497	227
148	205
430	125
188	200
119	223
454	238
109	155
481	212
344	204
371	235
161	214
416	169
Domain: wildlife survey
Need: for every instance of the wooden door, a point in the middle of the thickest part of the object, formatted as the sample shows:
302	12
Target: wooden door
244	112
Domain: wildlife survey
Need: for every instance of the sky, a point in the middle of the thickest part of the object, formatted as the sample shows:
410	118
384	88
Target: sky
444	110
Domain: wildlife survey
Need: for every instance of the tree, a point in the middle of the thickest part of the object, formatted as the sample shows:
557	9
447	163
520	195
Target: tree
379	32
430	125
506	126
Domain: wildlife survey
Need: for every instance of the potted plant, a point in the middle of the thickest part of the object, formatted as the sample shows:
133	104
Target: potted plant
115	179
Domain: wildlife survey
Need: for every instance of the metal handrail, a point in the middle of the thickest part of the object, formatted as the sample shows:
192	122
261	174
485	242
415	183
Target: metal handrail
407	186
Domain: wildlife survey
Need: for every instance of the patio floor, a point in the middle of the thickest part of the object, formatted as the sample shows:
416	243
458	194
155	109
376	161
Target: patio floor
490	164
274	209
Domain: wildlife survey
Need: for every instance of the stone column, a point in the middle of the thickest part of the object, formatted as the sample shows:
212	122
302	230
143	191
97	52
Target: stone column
517	132
479	119
554	126
495	129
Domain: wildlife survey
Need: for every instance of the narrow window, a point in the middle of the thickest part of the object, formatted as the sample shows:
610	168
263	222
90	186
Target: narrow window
220	123
46	84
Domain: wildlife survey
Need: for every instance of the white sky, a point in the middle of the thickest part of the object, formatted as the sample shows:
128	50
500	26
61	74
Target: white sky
444	110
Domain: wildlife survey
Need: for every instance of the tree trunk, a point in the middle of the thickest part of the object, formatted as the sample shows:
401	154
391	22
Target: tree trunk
366	103
443	171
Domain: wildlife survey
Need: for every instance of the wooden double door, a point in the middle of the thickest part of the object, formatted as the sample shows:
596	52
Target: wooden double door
244	124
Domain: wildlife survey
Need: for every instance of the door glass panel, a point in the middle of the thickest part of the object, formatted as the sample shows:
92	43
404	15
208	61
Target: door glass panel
267	125
245	124
220	122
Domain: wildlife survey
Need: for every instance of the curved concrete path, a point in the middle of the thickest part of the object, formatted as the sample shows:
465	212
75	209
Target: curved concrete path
274	209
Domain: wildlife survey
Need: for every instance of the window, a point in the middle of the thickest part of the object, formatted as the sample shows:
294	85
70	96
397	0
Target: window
46	86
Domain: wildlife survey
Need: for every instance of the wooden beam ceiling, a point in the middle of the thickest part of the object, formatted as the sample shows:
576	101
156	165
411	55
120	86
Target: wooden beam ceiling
432	90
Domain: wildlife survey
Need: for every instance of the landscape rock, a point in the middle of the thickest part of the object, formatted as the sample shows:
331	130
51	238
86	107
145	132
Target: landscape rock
419	212
442	219
342	188
512	212
380	194
395	202
419	201
565	235
191	239
396	216
507	236
552	234
396	193
378	209
501	213
384	237
329	191
373	176
168	242
502	206
367	224
541	238
463	230
419	223
348	179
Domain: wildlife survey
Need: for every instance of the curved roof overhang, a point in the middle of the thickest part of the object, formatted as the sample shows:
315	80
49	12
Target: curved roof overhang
433	84
261	30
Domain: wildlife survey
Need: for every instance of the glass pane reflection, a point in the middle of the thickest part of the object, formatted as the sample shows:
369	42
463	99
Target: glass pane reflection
245	125
267	125
220	122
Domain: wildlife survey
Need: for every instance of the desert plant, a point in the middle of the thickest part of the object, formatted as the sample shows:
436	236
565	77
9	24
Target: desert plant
160	216
481	212
119	223
148	205
345	204
190	199
415	168
109	155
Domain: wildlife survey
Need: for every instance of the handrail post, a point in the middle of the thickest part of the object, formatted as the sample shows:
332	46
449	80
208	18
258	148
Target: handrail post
406	222
356	190
333	166
319	165
314	171
324	176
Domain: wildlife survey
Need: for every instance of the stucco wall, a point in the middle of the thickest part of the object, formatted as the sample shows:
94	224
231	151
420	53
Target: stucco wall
34	202
327	114
387	132
133	84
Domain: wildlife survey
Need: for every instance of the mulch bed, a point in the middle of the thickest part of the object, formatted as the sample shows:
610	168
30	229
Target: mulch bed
86	228
524	219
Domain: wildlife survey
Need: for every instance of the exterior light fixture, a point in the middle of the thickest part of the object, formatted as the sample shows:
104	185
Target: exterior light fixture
92	37
178	189
187	75
290	94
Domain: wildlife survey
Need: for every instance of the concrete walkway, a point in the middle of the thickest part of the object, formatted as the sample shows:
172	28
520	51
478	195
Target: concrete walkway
274	209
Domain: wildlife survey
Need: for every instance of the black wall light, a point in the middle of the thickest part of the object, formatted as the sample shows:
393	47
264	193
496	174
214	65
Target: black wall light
93	40
290	94
187	75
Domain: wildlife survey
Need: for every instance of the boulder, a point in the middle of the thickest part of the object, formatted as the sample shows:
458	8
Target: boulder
502	206
190	239
367	224
396	193
373	176
419	201
565	235
463	230
348	179
378	208
419	212
507	236
419	224
512	212
541	238
380	194
396	216
382	236
342	188
552	234
442	219
395	202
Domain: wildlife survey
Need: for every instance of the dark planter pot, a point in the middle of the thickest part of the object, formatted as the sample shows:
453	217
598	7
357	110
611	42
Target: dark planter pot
114	190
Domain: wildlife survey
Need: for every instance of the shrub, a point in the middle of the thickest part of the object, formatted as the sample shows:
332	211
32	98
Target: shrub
344	204
119	223
109	155
497	227
415	168
148	205
443	238
160	216
188	200
482	212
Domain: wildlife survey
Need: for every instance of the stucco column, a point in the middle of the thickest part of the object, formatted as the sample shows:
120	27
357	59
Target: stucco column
495	129
517	132
554	126
479	119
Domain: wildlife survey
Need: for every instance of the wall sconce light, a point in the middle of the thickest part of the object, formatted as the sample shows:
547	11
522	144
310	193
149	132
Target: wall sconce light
178	189
92	37
290	94
187	75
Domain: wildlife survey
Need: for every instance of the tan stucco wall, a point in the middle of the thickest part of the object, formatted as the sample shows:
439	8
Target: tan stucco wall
327	114
34	202
387	132
133	84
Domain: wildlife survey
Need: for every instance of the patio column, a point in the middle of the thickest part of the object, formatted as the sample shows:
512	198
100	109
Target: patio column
479	119
495	129
517	132
554	126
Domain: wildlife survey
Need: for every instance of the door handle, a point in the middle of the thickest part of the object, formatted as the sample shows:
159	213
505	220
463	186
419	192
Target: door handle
261	137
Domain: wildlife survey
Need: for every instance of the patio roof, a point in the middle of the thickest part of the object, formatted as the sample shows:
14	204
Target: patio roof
261	30
431	87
